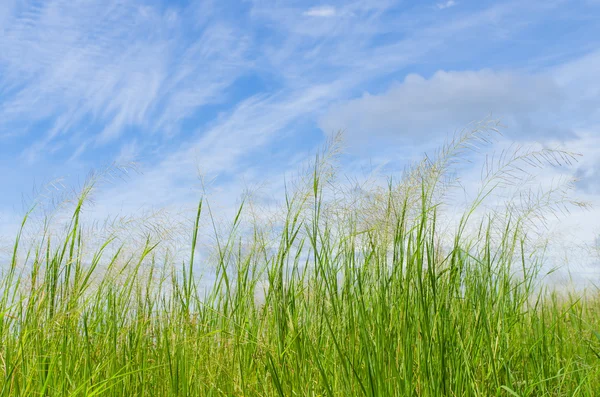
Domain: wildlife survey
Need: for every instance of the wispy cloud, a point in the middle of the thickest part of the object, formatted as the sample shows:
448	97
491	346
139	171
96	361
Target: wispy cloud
446	4
96	72
321	11
110	66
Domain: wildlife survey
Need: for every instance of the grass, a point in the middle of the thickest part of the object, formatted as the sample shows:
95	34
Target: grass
367	294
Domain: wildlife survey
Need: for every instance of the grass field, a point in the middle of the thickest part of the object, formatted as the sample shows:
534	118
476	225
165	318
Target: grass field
369	293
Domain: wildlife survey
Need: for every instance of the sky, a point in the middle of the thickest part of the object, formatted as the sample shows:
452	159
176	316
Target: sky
243	92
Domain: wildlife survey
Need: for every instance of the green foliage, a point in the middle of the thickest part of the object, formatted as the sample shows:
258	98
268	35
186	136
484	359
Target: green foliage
365	297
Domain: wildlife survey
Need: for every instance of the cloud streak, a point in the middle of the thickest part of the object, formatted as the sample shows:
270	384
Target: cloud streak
111	66
320	12
446	4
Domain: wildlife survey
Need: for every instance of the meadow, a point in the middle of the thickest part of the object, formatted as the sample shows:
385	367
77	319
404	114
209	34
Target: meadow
342	292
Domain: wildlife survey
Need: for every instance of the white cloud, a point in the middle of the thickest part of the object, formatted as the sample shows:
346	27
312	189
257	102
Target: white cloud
419	109
446	4
545	105
321	11
129	152
549	104
109	66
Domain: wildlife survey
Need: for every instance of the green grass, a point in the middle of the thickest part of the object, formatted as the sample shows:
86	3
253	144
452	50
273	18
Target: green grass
341	297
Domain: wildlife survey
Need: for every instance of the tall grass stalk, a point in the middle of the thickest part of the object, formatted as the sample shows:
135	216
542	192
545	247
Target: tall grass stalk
341	298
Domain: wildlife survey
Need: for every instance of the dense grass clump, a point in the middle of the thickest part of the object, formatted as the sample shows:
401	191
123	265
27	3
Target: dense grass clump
371	293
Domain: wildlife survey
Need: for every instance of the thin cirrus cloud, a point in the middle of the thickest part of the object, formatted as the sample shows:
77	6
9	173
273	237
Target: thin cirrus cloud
232	89
446	4
320	11
109	66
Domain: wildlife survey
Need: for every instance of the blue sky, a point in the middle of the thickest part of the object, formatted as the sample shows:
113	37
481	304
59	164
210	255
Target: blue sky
244	91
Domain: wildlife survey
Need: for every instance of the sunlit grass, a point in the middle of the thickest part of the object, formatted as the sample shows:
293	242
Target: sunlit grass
341	296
